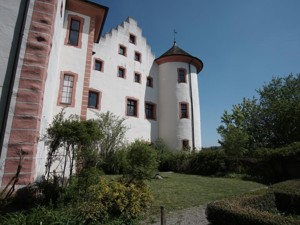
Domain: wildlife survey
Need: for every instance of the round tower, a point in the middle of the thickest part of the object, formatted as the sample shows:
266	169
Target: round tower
178	99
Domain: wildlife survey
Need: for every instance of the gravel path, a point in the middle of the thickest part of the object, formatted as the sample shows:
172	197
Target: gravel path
190	216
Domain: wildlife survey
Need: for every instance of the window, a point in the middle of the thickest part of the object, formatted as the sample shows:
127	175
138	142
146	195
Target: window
137	77
121	72
184	111
67	88
150	110
132	39
137	56
98	65
74	32
122	50
185	145
149	82
132	107
94	99
181	76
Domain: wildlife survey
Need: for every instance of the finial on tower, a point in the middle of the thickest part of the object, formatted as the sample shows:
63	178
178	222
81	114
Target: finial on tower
175	32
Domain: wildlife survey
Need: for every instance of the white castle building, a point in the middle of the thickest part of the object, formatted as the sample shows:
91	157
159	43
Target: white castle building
53	56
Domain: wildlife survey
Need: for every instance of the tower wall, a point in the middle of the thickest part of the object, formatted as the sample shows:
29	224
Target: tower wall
172	128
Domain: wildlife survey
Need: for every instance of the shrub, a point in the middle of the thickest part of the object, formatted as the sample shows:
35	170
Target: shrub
255	208
287	196
142	161
113	199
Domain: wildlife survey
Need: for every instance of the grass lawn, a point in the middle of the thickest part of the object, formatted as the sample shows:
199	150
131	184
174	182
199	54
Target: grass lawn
179	191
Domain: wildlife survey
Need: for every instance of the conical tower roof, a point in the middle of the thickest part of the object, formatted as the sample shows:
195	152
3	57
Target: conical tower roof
176	54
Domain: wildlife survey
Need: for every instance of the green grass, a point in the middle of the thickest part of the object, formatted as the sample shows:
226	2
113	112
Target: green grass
179	191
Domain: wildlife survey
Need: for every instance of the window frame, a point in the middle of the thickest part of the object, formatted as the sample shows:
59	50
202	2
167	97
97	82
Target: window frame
79	37
140	77
61	87
120	68
136	53
179	70
97	60
149	78
98	93
187	110
134	38
136	107
124	49
185	143
153	105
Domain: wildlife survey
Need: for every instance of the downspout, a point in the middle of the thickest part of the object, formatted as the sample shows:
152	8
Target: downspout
192	107
13	72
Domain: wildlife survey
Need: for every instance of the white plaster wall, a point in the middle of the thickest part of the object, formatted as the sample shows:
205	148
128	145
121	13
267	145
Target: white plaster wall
8	14
171	128
72	59
53	80
115	90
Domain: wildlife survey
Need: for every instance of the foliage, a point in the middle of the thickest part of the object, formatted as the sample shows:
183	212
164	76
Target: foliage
113	199
271	121
287	196
253	208
69	137
113	131
142	161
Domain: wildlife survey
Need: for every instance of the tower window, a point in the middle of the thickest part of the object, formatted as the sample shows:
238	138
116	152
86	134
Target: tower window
185	145
132	107
132	39
184	111
122	50
149	82
150	110
181	75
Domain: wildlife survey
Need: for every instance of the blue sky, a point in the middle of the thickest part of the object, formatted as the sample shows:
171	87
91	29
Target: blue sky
242	44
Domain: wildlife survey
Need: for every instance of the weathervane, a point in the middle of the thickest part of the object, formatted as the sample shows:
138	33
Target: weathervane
175	32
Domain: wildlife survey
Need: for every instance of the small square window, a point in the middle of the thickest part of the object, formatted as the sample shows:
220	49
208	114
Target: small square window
150	110
121	72
149	82
122	50
98	65
132	39
93	101
132	107
137	56
137	77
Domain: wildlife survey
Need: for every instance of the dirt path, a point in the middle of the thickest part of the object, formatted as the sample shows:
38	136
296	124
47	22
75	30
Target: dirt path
190	216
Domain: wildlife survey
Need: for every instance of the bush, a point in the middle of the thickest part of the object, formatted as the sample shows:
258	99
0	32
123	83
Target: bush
287	195
113	199
142	161
255	208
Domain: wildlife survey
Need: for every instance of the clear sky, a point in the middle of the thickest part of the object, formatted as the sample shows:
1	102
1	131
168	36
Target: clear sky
242	43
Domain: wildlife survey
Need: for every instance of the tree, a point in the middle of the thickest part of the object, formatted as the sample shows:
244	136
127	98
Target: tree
272	120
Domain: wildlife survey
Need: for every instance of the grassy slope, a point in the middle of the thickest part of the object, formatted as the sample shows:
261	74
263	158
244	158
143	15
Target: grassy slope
178	191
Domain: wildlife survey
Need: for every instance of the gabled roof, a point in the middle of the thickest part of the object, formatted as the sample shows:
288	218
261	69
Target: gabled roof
176	54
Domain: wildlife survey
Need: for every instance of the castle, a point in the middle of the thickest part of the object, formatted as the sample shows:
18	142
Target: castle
53	56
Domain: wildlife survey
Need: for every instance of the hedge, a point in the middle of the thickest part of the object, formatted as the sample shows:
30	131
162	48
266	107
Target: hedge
258	207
